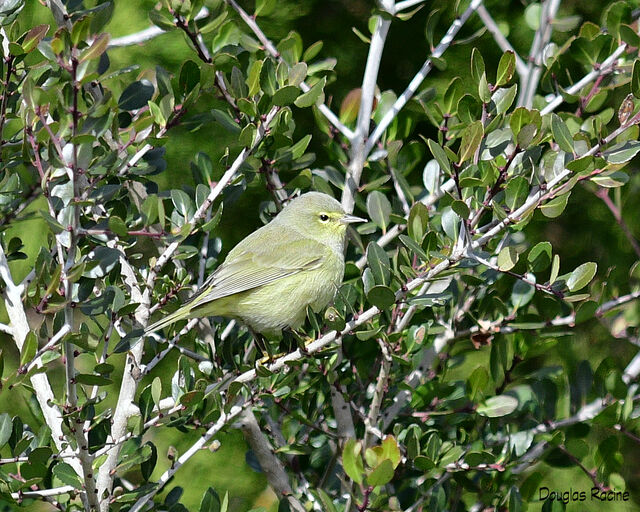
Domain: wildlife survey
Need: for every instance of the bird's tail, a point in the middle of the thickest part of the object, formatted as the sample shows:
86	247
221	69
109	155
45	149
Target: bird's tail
182	313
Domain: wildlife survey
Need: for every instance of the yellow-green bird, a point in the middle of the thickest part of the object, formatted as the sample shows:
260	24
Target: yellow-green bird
269	278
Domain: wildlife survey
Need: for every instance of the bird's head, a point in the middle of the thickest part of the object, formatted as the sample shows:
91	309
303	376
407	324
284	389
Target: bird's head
319	216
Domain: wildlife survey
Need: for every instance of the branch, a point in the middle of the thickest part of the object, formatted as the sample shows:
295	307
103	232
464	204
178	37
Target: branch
393	232
37	361
19	327
382	382
224	419
43	493
357	154
603	194
271	49
529	80
500	40
86	459
269	463
173	343
406	4
420	76
605	67
147	33
538	194
125	406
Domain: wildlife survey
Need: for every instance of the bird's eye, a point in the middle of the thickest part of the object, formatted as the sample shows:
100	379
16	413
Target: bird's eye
324	217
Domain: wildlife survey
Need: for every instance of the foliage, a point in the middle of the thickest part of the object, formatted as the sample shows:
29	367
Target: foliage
469	355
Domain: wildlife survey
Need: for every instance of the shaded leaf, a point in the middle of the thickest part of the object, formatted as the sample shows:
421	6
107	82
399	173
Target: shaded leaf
582	276
497	406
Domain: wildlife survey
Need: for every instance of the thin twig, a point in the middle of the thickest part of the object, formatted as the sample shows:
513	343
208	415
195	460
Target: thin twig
411	89
499	38
357	153
603	194
271	49
148	33
224	419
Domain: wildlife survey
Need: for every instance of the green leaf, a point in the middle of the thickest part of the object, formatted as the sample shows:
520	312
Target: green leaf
382	297
117	225
313	95
635	79
477	382
507	258
412	245
379	209
381	474
390	450
461	208
555	207
97	48
555	268
29	348
497	406
268	81
477	65
6	427
452	95
586	311
226	121
623	152
450	222
136	95
440	156
253	77
522	292
350	106
157	114
515	500
161	19
418	221
285	95
210	501
484	92
378	262
539	256
33	37
298	73
54	225
516	192
352	460
237	86
561	134
92	380
182	203
582	276
506	67
156	390
66	474
263	8
611	180
471	140
147	467
503	98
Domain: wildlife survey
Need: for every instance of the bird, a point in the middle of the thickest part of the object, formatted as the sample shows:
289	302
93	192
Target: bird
268	280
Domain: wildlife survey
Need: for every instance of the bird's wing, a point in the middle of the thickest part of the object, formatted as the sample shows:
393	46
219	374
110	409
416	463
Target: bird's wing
270	256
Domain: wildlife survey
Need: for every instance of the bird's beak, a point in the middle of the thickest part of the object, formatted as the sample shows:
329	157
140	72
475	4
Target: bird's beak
351	219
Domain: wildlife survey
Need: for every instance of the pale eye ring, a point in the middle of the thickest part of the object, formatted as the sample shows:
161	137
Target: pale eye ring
324	217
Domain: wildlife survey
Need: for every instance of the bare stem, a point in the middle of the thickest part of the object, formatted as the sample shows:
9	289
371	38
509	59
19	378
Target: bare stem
358	154
411	89
271	49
